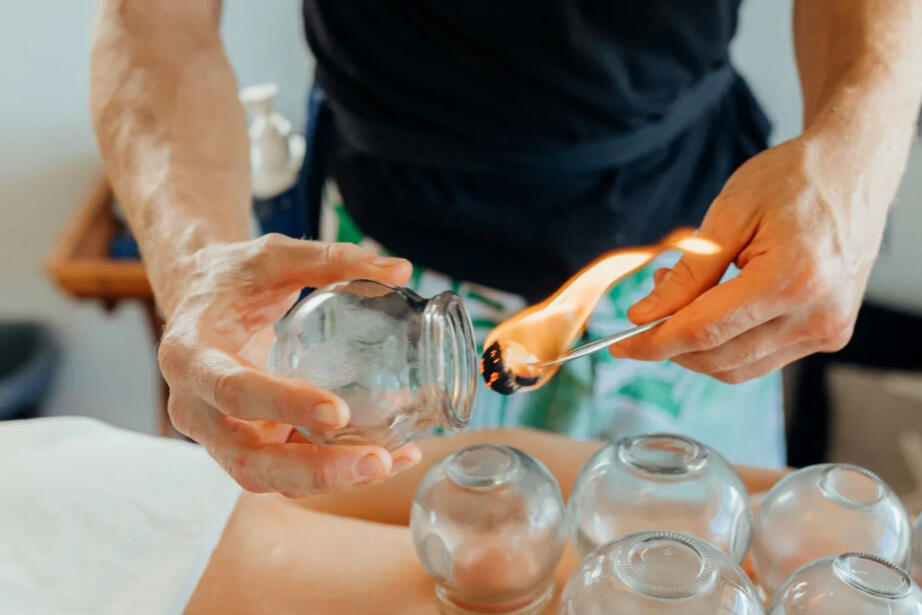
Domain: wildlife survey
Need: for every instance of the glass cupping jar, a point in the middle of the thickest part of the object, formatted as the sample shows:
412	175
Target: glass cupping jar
403	364
659	572
852	584
826	510
488	525
660	482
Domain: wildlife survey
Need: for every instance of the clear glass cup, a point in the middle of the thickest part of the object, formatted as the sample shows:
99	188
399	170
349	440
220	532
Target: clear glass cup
659	573
848	584
659	482
488	524
402	363
823	510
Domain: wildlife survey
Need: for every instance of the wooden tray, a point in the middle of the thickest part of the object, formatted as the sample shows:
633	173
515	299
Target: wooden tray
80	261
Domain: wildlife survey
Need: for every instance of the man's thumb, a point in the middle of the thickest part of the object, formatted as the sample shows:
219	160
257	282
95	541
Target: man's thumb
680	285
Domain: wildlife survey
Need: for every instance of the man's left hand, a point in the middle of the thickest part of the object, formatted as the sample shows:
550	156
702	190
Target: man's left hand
804	234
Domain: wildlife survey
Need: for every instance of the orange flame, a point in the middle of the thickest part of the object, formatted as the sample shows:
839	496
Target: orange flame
546	330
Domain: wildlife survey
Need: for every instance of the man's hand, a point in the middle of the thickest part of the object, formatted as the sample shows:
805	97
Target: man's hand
803	220
173	136
216	344
788	219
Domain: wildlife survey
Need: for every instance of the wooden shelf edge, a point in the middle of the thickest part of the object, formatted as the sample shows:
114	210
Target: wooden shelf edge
94	275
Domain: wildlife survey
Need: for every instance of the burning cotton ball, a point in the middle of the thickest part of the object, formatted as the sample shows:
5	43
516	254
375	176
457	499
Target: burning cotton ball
506	367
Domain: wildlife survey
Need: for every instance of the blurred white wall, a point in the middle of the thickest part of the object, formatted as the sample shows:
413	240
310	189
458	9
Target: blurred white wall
48	159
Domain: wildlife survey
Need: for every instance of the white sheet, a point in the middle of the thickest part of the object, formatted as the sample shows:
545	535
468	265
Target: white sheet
98	520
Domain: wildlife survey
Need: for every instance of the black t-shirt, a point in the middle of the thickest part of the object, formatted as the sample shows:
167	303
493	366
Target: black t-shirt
537	75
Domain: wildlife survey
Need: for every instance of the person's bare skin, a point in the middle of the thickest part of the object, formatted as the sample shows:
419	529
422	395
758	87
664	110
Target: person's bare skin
352	552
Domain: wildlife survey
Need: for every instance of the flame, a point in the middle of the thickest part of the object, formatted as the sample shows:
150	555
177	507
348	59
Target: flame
546	330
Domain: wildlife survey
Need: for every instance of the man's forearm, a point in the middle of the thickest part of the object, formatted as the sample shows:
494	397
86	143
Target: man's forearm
171	131
860	65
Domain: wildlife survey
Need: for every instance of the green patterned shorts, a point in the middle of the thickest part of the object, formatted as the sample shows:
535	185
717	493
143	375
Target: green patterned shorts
599	396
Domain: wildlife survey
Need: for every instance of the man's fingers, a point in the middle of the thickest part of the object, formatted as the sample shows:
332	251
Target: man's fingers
746	348
767	365
252	394
224	382
714	318
695	273
304	469
406	457
680	285
295	469
289	261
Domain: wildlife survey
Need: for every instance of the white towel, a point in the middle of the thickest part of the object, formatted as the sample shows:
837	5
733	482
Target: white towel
98	520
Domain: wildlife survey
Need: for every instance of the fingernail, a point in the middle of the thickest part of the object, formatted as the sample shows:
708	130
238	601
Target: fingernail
328	414
388	261
369	466
401	464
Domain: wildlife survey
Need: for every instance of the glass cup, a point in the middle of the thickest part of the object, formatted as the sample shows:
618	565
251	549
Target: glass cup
664	482
823	510
403	364
852	584
488	524
659	573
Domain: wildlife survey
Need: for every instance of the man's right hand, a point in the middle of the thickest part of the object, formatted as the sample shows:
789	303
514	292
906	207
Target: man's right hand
216	343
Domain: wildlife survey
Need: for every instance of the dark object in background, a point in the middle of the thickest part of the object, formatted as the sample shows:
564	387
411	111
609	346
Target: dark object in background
124	246
282	213
884	339
28	363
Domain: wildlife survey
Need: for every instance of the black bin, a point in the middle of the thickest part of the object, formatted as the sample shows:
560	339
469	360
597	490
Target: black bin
28	363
